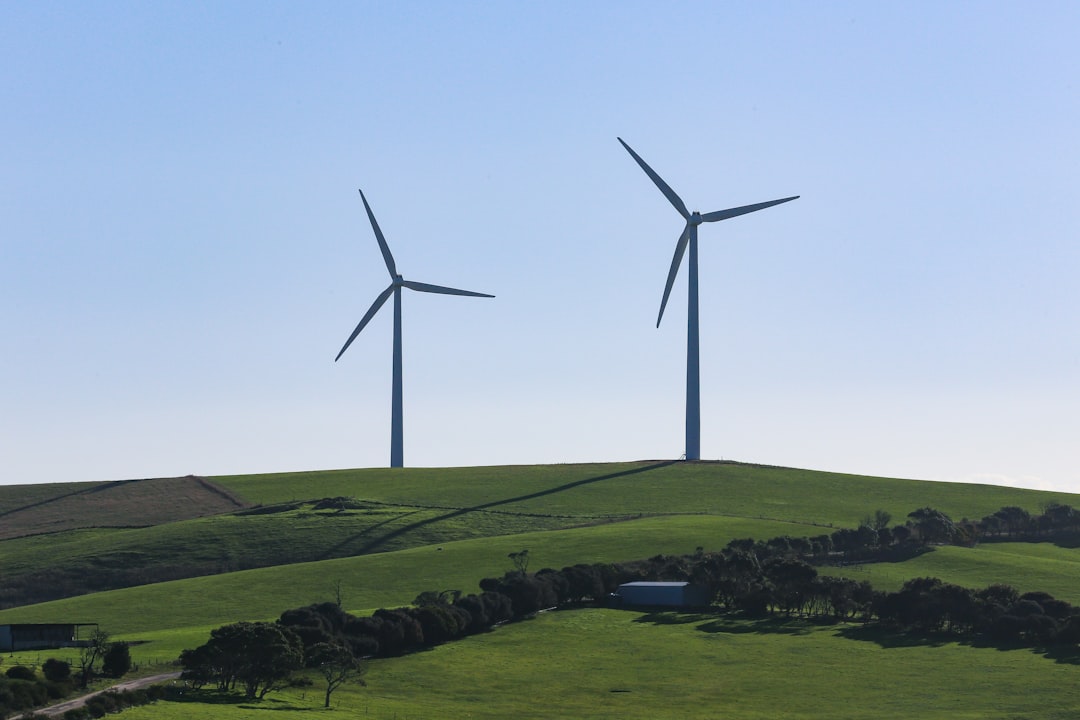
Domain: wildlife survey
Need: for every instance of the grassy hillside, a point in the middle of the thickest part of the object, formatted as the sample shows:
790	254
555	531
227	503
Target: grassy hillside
387	579
609	664
621	489
130	533
406	531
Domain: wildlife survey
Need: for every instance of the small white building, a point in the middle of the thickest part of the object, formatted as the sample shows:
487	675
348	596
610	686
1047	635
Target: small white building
661	594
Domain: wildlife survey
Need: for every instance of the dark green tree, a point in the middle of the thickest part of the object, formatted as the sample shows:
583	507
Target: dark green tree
90	653
116	662
932	526
791	582
1015	519
56	670
259	656
878	521
337	665
520	560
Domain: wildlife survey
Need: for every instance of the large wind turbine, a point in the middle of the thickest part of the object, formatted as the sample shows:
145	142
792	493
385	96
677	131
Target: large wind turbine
396	283
689	238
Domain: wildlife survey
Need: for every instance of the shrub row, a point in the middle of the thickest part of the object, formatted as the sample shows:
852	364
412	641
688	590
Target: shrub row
21	689
114	701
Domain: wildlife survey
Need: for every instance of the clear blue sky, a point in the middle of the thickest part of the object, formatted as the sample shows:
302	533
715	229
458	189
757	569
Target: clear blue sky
183	250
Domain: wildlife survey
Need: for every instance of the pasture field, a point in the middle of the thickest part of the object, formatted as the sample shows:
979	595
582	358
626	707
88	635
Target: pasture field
408	531
1025	566
385	579
105	558
165	618
608	663
627	489
113	535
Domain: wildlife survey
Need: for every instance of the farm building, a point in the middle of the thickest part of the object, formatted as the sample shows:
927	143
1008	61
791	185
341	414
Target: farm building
39	636
664	594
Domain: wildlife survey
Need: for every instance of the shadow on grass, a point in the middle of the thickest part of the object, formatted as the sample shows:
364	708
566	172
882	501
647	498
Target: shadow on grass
203	697
1069	540
889	639
338	550
882	637
1063	654
281	707
221	697
735	625
376	543
673	617
763	626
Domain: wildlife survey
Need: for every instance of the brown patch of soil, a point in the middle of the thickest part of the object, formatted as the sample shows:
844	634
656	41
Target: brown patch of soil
127	503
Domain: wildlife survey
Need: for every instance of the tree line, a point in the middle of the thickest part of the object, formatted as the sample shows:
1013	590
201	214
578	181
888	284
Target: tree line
259	657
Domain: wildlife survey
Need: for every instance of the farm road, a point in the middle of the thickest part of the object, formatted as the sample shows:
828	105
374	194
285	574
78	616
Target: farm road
57	710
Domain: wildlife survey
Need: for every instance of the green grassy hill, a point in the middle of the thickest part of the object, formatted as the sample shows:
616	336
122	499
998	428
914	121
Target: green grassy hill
405	531
115	535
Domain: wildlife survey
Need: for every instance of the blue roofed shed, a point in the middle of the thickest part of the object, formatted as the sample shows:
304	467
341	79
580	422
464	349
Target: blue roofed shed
661	594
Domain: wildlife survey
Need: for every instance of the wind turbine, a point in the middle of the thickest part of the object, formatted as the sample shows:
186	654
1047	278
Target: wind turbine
689	238
396	283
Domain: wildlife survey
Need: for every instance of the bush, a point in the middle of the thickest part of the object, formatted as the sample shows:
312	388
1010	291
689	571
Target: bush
57	690
6	699
26	694
100	705
117	660
56	670
21	672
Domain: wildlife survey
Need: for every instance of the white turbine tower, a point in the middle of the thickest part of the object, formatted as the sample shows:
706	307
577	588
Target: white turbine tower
396	283
689	238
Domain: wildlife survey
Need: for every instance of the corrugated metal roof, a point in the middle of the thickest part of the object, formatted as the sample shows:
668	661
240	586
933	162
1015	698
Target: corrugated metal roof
658	584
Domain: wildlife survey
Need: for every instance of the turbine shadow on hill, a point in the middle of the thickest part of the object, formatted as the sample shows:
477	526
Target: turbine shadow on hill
376	543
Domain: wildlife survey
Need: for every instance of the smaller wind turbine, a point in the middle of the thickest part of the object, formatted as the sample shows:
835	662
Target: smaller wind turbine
396	283
688	238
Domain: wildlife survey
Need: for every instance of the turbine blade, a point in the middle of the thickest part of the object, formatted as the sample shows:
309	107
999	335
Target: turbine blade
680	249
367	318
424	287
382	241
664	187
735	212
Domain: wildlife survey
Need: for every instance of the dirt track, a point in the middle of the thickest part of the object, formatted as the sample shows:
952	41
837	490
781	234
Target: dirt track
60	709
